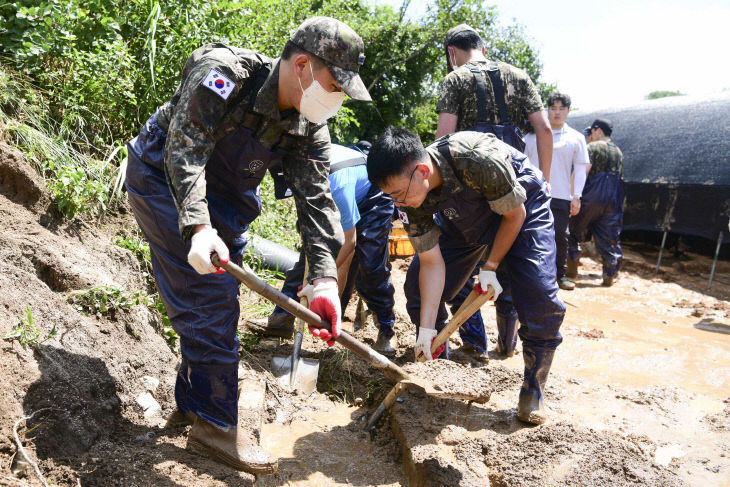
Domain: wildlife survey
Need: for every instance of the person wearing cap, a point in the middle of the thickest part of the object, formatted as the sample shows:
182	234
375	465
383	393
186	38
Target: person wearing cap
366	218
193	182
570	163
469	197
363	146
510	102
601	212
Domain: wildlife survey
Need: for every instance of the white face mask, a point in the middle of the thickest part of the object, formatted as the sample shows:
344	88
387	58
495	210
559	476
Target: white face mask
454	66
318	104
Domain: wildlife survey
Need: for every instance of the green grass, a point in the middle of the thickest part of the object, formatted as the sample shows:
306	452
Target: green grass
80	184
106	300
27	333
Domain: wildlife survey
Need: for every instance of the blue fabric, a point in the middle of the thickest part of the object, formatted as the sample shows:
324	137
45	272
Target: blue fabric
203	309
601	215
369	271
527	273
349	187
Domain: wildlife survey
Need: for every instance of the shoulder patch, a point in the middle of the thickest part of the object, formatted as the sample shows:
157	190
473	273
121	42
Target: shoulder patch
402	216
218	83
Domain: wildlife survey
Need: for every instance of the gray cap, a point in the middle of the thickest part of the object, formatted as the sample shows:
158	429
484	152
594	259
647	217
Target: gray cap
340	47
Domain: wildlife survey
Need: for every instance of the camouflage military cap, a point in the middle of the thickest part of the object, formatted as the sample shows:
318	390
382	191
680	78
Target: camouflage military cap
451	34
340	47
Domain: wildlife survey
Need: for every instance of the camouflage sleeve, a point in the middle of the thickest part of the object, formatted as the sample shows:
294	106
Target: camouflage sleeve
423	233
191	140
451	94
306	170
529	98
485	164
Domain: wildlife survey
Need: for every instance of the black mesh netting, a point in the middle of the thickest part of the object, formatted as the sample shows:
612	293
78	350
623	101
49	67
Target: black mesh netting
676	163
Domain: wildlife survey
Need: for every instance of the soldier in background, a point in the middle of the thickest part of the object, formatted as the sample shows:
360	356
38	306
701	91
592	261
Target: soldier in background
494	97
601	212
193	181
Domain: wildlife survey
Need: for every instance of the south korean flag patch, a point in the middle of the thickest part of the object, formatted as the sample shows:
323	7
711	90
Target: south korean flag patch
402	216
219	84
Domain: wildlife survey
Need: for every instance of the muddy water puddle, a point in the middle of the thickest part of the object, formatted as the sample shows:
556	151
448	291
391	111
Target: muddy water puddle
329	448
648	340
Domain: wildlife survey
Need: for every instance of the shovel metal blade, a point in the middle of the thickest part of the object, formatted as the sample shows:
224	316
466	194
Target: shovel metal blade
306	378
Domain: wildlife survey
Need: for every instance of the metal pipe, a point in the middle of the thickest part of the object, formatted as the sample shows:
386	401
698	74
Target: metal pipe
714	262
661	251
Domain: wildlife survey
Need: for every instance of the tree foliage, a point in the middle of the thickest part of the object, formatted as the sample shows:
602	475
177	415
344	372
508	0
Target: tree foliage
107	64
662	94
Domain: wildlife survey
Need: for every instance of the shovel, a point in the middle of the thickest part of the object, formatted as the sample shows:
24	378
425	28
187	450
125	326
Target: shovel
470	305
295	372
391	370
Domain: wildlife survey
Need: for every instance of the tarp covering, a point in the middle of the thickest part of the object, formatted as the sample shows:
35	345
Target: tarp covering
676	163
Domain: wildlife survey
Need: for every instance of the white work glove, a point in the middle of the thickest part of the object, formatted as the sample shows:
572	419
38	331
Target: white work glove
324	299
425	338
202	245
488	279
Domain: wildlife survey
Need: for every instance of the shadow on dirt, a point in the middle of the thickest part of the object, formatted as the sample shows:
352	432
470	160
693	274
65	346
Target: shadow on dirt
84	430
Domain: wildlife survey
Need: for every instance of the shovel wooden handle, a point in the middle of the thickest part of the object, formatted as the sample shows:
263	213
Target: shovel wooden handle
470	306
259	286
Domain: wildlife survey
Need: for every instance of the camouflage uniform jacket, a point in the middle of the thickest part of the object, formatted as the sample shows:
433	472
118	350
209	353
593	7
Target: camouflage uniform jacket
605	156
458	95
481	162
197	117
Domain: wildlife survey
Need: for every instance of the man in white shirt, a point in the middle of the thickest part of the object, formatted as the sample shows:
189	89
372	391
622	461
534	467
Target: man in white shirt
567	175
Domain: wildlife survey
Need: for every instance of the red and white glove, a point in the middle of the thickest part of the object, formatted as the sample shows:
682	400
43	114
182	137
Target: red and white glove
426	336
487	279
202	245
324	299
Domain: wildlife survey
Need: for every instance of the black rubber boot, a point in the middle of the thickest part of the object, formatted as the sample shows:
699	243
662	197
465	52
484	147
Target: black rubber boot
278	325
507	335
530	407
565	283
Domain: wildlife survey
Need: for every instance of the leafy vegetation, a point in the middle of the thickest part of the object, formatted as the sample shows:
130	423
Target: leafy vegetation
27	333
662	94
109	63
105	300
80	78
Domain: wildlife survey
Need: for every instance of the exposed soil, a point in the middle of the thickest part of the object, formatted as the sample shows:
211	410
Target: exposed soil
638	388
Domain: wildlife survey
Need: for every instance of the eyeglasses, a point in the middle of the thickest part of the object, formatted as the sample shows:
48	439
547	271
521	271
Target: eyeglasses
407	187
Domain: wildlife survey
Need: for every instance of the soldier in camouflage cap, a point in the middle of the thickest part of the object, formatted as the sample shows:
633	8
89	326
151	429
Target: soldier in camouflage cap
340	47
467	198
509	101
601	213
193	181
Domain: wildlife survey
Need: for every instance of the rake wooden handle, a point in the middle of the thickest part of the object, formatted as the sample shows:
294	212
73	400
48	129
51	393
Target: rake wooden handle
470	306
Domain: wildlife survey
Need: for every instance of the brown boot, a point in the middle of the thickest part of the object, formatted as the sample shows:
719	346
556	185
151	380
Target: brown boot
235	448
608	280
178	419
571	270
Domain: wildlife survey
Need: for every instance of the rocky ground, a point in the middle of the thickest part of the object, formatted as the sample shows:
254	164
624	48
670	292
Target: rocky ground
639	388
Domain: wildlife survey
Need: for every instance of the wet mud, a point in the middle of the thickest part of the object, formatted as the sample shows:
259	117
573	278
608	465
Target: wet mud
638	391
